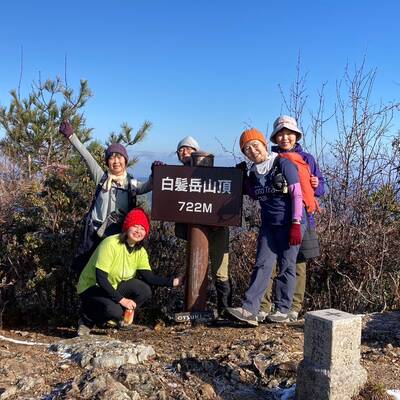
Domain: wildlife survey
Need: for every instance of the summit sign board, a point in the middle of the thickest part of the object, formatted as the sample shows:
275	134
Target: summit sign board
197	195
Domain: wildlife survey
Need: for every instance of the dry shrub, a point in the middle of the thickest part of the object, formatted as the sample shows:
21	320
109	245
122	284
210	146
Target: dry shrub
372	391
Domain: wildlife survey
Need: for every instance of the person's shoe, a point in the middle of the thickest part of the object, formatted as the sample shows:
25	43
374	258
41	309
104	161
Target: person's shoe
123	326
83	329
262	315
293	316
222	314
111	324
224	296
278	317
242	315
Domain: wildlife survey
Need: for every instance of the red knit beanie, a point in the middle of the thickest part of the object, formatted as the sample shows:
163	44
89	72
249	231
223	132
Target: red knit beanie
136	217
251	134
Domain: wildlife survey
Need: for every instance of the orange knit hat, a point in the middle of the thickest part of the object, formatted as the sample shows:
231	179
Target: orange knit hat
251	134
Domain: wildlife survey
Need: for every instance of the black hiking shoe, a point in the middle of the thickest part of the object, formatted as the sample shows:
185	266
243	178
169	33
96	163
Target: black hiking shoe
85	325
122	326
83	329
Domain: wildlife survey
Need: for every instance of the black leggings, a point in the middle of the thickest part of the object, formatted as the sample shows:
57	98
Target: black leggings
98	307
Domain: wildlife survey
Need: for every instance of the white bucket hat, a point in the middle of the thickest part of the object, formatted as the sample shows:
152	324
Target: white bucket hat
284	121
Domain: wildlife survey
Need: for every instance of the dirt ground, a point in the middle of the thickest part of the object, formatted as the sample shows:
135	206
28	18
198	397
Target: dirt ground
195	357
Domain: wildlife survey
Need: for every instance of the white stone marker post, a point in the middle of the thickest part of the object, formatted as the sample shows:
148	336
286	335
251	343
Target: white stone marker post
331	366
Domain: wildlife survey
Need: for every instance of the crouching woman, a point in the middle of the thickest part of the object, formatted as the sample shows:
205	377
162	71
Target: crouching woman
118	275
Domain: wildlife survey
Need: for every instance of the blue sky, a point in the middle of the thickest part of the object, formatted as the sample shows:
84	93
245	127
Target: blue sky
204	68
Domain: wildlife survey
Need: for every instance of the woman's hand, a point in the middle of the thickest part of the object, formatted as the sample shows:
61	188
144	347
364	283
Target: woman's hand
242	166
127	303
295	234
155	164
66	129
178	281
314	181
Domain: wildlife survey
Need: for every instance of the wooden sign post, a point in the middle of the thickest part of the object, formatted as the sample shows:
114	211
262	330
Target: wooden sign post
201	196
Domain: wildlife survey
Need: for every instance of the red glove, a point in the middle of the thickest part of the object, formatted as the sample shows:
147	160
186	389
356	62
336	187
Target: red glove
66	129
295	235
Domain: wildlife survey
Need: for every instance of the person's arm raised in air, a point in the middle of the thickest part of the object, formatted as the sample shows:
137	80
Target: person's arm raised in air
95	170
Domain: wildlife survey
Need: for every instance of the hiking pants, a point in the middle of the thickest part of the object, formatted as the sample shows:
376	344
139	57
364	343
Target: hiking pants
218	239
99	308
299	291
273	246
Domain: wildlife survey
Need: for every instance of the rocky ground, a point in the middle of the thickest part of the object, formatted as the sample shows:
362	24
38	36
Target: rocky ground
219	361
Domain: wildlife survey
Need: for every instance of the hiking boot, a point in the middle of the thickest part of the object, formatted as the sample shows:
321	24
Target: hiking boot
293	316
278	317
242	315
262	315
83	329
122	326
224	297
111	324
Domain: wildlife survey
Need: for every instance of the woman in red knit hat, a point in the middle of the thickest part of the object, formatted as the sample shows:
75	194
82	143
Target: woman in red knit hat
118	275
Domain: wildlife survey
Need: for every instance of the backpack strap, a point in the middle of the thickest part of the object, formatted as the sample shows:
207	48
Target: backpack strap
132	198
279	182
309	200
98	189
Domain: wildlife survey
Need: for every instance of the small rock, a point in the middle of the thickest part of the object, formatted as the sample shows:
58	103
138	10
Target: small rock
183	396
159	326
11	391
263	336
261	362
103	352
100	384
273	383
242	374
242	354
162	395
191	354
289	366
74	391
28	382
64	366
117	394
207	391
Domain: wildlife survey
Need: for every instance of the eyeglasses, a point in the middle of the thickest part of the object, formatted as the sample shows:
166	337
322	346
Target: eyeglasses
185	149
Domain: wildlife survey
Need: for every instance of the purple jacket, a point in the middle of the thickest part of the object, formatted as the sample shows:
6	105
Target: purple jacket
310	160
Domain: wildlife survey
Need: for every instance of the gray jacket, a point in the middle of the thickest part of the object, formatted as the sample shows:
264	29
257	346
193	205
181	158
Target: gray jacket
116	198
